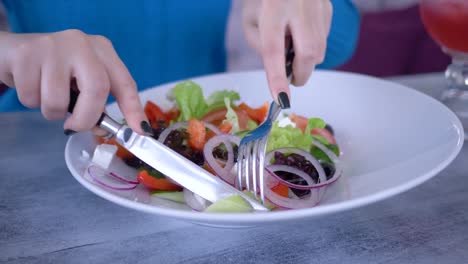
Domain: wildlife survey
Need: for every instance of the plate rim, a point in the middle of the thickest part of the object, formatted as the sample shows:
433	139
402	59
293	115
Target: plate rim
276	216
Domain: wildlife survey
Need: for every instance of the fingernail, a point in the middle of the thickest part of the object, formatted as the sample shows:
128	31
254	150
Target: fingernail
69	132
146	127
283	100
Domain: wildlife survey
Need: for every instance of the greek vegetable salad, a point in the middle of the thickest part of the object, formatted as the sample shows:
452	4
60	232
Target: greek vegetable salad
302	154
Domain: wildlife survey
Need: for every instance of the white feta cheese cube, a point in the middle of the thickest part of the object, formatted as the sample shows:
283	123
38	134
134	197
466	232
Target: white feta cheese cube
104	155
285	121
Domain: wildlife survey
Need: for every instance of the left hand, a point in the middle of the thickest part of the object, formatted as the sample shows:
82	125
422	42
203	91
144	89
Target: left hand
268	22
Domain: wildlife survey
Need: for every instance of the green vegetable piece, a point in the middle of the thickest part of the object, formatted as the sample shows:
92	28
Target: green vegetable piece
320	139
190	100
320	155
267	204
231	204
217	99
171	196
315	123
289	136
251	125
231	116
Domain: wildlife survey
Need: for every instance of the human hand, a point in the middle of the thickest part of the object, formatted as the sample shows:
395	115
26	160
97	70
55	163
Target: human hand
266	25
42	68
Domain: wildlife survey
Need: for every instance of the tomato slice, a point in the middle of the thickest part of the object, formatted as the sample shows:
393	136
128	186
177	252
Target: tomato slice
154	114
173	114
257	114
216	117
301	122
225	127
324	133
197	134
153	183
281	190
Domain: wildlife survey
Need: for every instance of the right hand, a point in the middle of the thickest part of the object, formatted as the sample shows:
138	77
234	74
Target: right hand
42	66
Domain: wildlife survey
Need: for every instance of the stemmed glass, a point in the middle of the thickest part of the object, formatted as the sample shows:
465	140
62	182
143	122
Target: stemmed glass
447	23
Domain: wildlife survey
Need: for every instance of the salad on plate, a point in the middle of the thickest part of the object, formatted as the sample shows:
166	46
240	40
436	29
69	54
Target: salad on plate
302	156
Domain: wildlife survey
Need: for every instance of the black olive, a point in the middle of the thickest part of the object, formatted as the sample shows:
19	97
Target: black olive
330	129
134	162
329	169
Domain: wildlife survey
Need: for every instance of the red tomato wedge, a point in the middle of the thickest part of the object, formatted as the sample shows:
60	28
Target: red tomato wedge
173	114
324	133
197	134
216	117
301	122
256	114
154	113
281	190
225	127
153	183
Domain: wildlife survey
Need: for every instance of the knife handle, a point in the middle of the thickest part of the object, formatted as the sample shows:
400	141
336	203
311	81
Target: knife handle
105	121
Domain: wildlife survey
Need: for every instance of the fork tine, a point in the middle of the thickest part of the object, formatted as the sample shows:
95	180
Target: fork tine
247	154
240	166
253	162
251	156
261	165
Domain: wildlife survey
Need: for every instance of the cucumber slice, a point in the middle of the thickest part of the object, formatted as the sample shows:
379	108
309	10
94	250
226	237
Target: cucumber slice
267	204
231	204
171	196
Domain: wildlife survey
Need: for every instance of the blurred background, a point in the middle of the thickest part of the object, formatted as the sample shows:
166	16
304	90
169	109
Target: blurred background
392	41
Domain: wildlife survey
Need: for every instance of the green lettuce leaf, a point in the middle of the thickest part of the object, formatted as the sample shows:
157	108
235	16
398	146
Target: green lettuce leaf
231	116
315	123
320	155
288	136
251	125
217	99
190	100
320	139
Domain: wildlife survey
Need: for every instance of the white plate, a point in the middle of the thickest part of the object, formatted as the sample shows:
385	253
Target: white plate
393	138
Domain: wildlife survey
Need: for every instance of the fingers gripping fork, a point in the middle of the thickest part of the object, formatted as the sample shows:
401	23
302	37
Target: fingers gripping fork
252	148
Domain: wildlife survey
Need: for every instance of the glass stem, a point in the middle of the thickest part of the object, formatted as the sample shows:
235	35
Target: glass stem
457	72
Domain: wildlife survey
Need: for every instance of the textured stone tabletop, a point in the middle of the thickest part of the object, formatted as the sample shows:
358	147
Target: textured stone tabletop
47	217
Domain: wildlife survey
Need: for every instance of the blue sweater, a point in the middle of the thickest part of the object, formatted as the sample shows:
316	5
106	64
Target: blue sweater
159	40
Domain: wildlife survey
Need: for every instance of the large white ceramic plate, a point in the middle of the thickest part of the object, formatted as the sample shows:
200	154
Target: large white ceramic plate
393	138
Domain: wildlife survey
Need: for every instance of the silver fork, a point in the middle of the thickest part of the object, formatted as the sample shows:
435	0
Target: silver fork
252	148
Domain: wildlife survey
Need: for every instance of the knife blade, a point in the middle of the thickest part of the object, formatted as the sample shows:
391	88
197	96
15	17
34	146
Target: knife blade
169	162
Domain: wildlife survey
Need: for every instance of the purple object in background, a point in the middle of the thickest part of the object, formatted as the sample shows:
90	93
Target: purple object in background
395	43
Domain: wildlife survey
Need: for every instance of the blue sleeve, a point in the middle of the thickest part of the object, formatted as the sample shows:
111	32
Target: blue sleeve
344	33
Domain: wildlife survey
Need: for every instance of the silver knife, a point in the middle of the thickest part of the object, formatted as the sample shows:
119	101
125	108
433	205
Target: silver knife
169	162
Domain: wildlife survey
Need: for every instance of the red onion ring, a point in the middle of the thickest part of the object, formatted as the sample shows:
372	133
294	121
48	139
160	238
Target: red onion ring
316	190
290	203
271	171
92	174
306	155
162	137
223	172
336	162
122	178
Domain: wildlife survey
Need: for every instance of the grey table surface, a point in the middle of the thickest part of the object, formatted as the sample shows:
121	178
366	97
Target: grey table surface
47	217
